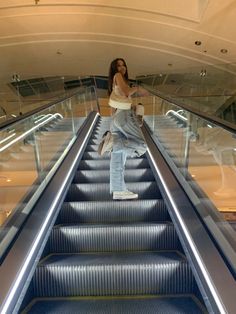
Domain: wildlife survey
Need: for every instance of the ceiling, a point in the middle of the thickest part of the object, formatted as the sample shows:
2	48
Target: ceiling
64	37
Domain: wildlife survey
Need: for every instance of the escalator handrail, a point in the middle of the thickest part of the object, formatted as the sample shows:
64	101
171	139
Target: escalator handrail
209	118
28	132
9	122
177	114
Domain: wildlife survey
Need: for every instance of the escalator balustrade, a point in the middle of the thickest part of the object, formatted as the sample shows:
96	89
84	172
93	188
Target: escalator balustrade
106	256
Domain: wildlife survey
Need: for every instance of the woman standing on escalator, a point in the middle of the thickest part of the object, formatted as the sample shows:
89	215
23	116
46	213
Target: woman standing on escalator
125	138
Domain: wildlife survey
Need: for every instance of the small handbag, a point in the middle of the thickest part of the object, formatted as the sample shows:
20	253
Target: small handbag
119	102
139	111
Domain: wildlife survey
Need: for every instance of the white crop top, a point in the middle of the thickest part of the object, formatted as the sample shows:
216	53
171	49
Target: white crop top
118	99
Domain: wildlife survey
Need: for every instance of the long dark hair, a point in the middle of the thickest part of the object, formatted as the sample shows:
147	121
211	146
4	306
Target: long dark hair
113	70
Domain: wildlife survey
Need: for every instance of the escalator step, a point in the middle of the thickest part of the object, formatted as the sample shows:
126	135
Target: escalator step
95	155
100	191
103	176
91	148
118	305
110	211
135	163
63	275
113	238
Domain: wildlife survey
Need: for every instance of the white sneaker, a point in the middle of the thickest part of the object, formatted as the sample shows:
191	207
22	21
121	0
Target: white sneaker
124	195
106	144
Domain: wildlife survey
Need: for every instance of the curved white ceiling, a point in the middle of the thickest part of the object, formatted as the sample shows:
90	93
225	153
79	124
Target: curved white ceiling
64	37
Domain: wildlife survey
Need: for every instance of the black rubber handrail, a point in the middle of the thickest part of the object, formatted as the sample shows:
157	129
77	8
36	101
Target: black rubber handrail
29	113
209	118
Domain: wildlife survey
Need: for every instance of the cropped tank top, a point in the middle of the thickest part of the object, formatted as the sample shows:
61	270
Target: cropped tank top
118	99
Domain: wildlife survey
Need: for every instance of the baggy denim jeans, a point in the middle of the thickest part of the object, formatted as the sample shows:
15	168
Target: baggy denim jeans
128	141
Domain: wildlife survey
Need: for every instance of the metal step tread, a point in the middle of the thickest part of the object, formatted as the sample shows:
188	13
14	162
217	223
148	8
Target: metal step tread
123	226
145	174
95	156
91	274
134	163
110	211
114	259
91	148
180	304
101	191
113	238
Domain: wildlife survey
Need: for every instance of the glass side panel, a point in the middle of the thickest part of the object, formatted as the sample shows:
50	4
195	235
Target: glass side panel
209	88
30	152
22	96
203	158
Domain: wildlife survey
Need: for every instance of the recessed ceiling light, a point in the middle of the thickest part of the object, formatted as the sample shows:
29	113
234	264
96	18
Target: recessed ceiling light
198	43
223	50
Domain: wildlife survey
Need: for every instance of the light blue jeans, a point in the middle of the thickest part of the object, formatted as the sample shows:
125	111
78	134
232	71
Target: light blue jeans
128	141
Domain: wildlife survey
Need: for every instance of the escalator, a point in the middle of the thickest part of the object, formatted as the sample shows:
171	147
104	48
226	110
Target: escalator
105	256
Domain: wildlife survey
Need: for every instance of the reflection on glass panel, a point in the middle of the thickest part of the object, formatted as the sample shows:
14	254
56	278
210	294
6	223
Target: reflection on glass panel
214	150
209	89
30	152
203	157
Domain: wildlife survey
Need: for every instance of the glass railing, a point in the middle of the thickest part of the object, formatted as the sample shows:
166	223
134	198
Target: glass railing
209	89
203	157
19	97
30	152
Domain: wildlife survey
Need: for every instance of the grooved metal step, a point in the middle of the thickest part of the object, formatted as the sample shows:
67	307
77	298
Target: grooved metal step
113	274
113	238
101	191
103	176
113	212
91	148
186	304
135	163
